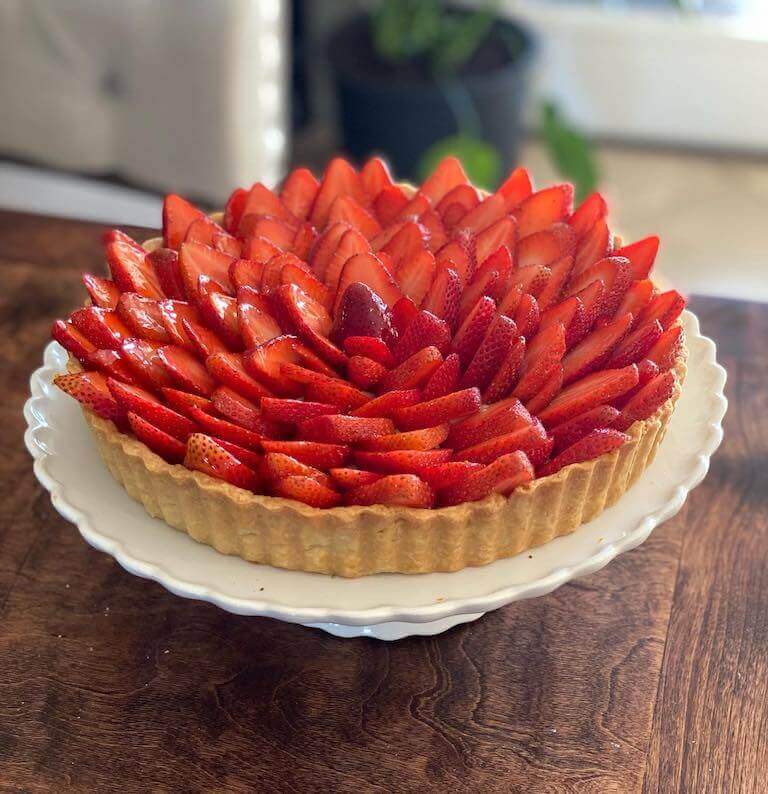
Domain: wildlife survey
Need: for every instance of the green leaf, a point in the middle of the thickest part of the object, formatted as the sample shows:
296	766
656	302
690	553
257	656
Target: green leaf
458	38
481	161
569	150
405	29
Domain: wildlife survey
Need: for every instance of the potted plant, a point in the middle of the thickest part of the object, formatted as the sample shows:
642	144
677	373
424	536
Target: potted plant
420	78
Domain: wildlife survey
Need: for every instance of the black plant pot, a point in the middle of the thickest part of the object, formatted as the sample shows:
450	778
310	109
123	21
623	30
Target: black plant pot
399	112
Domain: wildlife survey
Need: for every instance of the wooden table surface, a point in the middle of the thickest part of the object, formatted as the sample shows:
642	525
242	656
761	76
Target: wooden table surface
651	675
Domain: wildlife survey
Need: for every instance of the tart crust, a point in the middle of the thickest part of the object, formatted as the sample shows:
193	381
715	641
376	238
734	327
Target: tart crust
357	541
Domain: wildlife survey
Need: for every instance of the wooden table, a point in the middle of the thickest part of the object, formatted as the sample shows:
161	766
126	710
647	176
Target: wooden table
649	675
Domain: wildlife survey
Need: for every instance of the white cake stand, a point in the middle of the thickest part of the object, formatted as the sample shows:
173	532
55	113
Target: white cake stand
386	606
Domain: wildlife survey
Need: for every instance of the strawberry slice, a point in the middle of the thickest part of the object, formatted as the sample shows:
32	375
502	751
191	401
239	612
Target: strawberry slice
502	477
444	380
560	273
542	358
256	323
72	340
90	389
262	201
531	439
510	300
543	208
294	411
516	189
271	274
148	407
298	192
338	429
203	230
568	433
546	246
569	313
595	389
370	347
491	353
111	363
254	460
427	438
196	260
665	308
233	209
551	387
593	445
102	327
595	349
414	371
435	234
668	348
206	455
499	261
132	271
403	313
265	363
238	409
527	315
178	216
307	490
367	269
173	313
351	243
636	298
446	474
103	292
220	313
424	330
117	236
502	417
444	295
486	283
347	479
364	372
402	490
465	197
228	431
635	345
389	204
401	461
312	453
160	442
279	232
616	275
454	255
258	249
508	372
531	280
501	233
401	241
202	341
490	210
246	273
321	388
346	210
416	274
641	255
440	410
293	274
165	263
591	298
387	404
182	402
339	179
143	359
327	244
186	371
591	210
448	174
472	331
278	465
375	177
304	240
227	244
647	400
593	246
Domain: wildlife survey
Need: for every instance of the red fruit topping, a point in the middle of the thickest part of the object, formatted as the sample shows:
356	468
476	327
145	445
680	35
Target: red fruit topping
111	363
307	490
546	246
668	348
493	350
321	456
278	465
634	346
90	389
414	371
591	210
102	291
531	439
238	409
594	351
255	321
448	175
641	255
472	331
547	391
423	330
183	401
375	177
365	372
647	400
542	357
233	210
197	260
403	490
298	193
178	216
440	410
444	380
294	411
444	474
228	431
444	295
427	438
543	208
72	340
598	442
516	188
186	371
369	347
665	308
361	313
339	179
593	246
165	263
206	455
347	479
508	372
401	461
501	477
148	407
338	429
388	403
102	327
160	442
143	358
492	420
568	433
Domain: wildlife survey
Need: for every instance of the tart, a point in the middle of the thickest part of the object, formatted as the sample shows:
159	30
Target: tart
352	376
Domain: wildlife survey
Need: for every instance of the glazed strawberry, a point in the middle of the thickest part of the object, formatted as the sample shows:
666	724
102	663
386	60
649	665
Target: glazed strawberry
165	263
229	369
254	318
472	331
196	260
401	461
160	442
370	347
427	438
647	401
591	298
257	249
186	371
616	275
531	439
294	411
508	373
457	202
542	357
490	210
501	233
546	246
148	407
491	353
339	429
591	210
143	359
570	314
307	490
102	291
364	372
595	349
143	316
367	269
183	402
454	256
448	175
178	216
451	473
298	275
278	465
424	330
500	418
132	271
204	230
527	315
403	313
206	455
346	210
568	433
636	298
516	188
559	274
339	179
403	490
389	204
72	340
265	363
413	372
375	177
547	391
388	404
487	283
641	255
415	275
361	313
635	345
90	389
444	380
444	295
665	308
543	208
228	431
262	201
598	442
280	232
347	479
312	453
233	209
254	460
238	409
668	347
112	364
593	246
502	476
442	409
298	193
322	388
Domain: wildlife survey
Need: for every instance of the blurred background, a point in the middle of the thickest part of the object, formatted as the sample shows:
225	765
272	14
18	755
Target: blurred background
660	104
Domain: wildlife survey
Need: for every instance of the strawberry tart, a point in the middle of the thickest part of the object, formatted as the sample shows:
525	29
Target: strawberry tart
352	376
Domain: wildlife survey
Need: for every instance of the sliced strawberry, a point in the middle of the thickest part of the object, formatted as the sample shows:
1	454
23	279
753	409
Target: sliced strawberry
531	280
351	243
143	358
178	216
202	341
456	203
454	255
206	455
117	236
665	308
401	241
233	209
304	240
436	236
427	438
132	271
636	298
616	275
90	389
262	201
502	476
501	233
516	188
472	331
647	400
183	402
364	372
102	327
186	371
246	273
502	417
278	465
293	274
298	192
339	179
160	442
271	275
370	347
403	313
591	298
543	208
258	249
196	260
148	407
375	177
508	372
173	313
595	349
593	445
446	474
227	244
542	358
307	490
442	409
414	371
256	323
321	388
279	232
531	439
560	273
328	245
203	230
165	262
527	315
669	347
546	246
491	353
635	345
346	210
591	210
367	269
111	363
486	283
321	456
443	298
568	433
423	331
103	292
294	411
551	387
72	340
416	274
143	316
595	389
444	380
402	490
401	461
641	255
254	460
387	404
448	175
511	300
389	204
338	429
265	361
228	431
347	479
569	313
593	246
238	409
490	210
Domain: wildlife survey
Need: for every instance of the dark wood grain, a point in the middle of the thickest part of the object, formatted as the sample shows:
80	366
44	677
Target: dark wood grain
650	674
